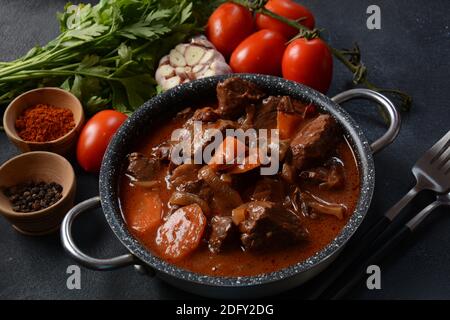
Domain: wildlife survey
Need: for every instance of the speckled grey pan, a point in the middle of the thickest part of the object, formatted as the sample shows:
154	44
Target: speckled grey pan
167	105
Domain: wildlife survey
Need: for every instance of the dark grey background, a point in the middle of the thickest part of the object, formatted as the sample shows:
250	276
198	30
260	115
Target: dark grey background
410	52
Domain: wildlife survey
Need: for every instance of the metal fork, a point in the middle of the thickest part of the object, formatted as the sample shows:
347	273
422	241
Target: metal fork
389	245
432	172
441	200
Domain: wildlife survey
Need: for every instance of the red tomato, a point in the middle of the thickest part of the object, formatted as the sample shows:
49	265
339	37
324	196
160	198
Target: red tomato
260	53
309	62
229	24
288	9
95	136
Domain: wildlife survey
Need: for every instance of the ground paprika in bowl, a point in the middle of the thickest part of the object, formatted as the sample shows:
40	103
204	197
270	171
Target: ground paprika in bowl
43	123
44	119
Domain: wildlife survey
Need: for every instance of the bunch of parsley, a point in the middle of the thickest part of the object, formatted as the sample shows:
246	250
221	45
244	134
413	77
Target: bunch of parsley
107	54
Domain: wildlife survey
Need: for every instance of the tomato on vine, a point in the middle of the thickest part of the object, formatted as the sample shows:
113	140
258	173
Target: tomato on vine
309	62
288	9
229	24
260	53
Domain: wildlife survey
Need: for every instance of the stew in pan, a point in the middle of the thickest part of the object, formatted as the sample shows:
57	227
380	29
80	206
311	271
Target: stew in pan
240	211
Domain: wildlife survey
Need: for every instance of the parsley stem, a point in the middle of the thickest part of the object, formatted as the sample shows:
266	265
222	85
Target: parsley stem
32	74
103	61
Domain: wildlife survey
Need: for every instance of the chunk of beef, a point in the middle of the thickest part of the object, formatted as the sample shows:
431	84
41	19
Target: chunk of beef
222	233
234	94
162	151
206	114
204	135
288	173
247	120
218	126
142	168
284	149
269	189
316	175
184	114
270	224
314	142
290	105
266	115
189	188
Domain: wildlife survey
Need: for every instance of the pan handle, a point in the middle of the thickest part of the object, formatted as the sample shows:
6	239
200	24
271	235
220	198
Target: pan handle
386	104
72	249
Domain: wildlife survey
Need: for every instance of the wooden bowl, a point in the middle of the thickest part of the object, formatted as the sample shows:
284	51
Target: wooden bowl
38	166
52	96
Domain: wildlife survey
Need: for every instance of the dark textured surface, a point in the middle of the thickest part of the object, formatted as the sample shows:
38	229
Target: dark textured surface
410	52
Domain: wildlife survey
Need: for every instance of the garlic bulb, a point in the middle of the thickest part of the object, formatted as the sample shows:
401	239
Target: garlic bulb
189	61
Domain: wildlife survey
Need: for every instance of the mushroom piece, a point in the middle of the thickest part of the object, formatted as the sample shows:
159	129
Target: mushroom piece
328	177
309	205
321	206
180	198
225	196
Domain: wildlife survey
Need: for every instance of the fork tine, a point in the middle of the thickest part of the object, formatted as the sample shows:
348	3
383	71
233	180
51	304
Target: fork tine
446	168
435	150
443	157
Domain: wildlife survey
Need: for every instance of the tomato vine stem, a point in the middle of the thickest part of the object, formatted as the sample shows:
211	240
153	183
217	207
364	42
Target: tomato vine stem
351	59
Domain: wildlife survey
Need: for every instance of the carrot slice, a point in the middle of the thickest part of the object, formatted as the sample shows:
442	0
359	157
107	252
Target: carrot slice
181	233
226	153
147	215
249	164
287	124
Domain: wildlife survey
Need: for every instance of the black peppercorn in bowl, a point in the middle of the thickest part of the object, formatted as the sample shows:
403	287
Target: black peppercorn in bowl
36	191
